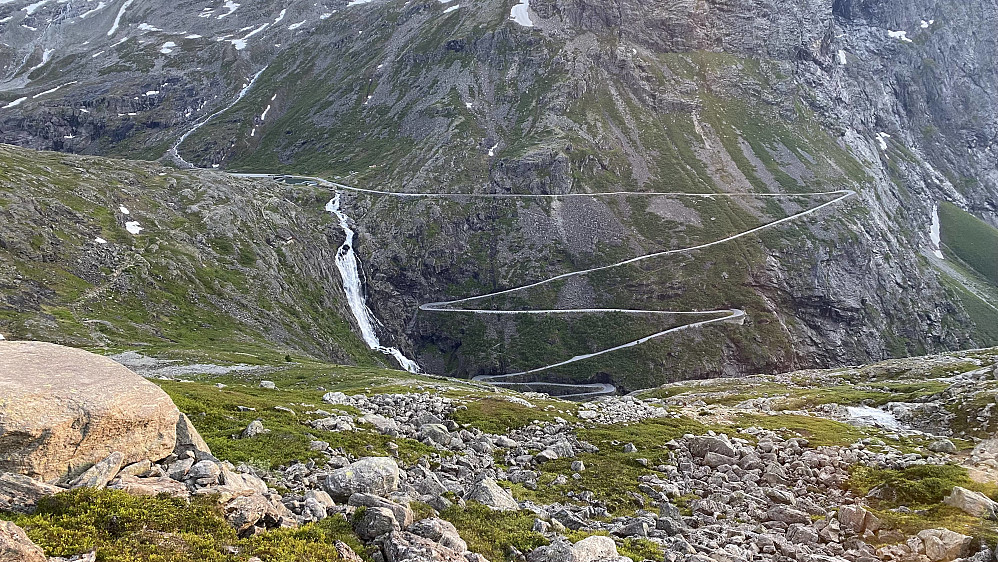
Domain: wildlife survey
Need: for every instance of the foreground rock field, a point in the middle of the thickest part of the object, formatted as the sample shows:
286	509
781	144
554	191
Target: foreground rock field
892	461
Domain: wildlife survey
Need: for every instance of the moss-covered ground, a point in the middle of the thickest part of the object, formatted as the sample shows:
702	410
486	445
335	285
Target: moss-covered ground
123	528
921	490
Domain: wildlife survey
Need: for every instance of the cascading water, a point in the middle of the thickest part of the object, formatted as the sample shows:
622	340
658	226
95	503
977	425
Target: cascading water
934	233
346	262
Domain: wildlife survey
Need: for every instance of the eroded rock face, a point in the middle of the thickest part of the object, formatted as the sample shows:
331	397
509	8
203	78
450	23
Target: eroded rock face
64	408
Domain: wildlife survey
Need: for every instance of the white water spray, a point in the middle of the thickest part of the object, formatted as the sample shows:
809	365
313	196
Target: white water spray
346	262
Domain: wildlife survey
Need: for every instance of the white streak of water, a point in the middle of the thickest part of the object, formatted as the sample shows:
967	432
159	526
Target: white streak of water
346	263
934	233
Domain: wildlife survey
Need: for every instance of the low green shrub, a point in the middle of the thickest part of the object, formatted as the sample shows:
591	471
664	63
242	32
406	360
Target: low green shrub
126	528
915	486
492	533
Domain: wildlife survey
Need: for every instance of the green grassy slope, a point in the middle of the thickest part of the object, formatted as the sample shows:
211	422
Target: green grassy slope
972	240
972	246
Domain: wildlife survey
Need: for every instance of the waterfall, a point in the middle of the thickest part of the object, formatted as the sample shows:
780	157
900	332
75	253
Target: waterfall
346	262
934	233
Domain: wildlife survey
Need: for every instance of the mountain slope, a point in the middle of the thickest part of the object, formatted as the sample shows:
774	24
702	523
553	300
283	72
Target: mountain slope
115	254
594	96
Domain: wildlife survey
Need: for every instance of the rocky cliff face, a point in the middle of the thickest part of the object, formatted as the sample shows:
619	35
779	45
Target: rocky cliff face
894	100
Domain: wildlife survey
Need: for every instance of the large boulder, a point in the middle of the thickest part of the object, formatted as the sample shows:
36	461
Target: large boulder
435	433
853	518
488	493
403	513
245	513
700	446
974	503
62	409
942	545
590	549
439	531
15	546
373	522
403	546
596	547
370	475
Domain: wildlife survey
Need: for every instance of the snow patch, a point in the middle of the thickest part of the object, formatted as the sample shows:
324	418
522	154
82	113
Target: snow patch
452	8
842	57
15	103
133	227
902	35
124	210
146	27
326	16
46	57
40	94
117	19
192	36
492	151
882	140
926	24
151	93
240	44
100	240
358	2
32	8
230	6
281	16
167	47
263	116
865	415
100	6
521	14
295	26
934	233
